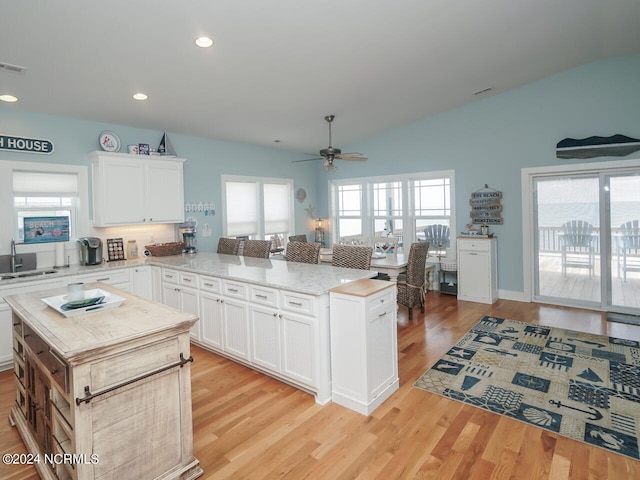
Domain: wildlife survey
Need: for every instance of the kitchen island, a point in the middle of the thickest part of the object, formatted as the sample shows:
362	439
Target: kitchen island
104	394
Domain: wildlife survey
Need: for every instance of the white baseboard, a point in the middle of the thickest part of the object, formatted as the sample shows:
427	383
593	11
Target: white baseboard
511	295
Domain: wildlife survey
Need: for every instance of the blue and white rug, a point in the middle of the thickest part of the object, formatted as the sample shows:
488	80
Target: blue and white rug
580	385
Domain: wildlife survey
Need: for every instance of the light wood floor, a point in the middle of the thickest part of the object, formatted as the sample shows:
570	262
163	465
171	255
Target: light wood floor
249	426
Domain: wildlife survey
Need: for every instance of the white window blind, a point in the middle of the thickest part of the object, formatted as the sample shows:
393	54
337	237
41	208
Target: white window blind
276	208
242	208
42	183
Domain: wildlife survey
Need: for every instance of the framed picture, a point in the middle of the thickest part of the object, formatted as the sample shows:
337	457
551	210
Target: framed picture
46	229
143	149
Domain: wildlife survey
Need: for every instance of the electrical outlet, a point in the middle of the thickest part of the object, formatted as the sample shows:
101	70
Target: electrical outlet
206	231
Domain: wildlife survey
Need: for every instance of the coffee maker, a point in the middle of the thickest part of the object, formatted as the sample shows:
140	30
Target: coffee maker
90	251
188	232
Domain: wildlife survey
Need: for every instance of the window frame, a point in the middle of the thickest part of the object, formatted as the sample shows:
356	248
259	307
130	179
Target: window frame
408	216
260	205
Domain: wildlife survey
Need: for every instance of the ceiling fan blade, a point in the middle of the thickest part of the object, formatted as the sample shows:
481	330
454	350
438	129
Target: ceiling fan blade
307	159
353	156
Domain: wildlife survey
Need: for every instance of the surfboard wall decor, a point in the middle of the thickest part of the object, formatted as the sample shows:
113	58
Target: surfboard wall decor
613	146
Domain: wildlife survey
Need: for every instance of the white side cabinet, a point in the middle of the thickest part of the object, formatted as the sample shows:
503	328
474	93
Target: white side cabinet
477	269
136	189
180	291
364	346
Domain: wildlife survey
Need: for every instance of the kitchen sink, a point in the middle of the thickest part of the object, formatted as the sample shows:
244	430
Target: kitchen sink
33	273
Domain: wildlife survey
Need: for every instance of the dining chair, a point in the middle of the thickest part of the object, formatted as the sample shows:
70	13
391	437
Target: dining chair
298	238
302	252
256	248
630	246
387	245
412	285
228	246
577	246
352	256
438	236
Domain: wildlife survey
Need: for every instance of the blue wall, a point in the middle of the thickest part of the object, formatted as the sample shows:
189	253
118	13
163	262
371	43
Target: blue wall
488	141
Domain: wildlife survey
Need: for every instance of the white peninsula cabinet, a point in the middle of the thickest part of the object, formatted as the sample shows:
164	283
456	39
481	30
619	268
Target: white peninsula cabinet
477	270
136	189
364	346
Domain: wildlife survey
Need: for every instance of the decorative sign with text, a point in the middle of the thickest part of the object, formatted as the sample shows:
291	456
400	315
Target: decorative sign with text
26	144
486	207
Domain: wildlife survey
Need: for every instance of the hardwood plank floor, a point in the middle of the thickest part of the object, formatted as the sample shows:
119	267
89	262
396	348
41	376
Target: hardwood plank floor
250	426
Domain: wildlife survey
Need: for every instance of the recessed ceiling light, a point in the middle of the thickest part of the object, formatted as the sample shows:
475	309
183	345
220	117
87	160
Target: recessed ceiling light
8	98
204	41
140	96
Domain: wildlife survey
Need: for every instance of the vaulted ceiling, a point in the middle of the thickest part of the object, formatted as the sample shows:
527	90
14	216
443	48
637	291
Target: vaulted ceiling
278	67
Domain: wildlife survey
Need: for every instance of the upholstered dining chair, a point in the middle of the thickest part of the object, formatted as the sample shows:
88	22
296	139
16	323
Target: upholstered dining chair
630	248
577	246
352	256
298	238
302	252
256	248
412	286
228	246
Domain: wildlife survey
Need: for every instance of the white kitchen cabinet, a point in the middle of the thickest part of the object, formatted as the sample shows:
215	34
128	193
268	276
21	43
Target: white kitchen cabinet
235	315
266	343
364	347
141	282
179	290
477	269
136	189
299	348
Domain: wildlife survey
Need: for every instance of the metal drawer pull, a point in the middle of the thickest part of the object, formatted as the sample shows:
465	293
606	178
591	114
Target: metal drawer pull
297	304
90	396
208	284
261	296
234	290
103	279
187	279
382	314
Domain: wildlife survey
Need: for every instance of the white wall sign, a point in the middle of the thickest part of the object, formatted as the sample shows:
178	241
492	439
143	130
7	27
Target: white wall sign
26	144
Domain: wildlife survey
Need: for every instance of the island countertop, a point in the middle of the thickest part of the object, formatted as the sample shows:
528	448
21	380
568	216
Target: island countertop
78	337
298	277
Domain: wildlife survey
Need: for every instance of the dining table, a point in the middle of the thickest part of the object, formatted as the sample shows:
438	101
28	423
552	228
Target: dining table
392	265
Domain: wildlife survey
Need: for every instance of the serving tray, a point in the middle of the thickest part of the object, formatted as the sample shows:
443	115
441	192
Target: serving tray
95	301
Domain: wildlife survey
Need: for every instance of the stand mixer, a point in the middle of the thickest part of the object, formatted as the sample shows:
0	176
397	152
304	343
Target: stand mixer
188	232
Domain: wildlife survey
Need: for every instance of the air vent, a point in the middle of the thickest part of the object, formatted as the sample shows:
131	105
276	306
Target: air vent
12	68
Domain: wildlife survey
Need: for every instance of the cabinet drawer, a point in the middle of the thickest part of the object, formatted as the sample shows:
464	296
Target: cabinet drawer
189	279
111	278
170	276
474	245
299	302
234	289
210	284
263	295
381	301
55	366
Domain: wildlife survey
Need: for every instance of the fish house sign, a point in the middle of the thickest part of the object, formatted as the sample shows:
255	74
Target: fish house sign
25	144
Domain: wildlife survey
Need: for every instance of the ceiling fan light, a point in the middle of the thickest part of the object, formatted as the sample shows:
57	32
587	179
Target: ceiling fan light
203	41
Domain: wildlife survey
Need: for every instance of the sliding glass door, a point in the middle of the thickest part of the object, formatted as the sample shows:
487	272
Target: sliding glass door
587	240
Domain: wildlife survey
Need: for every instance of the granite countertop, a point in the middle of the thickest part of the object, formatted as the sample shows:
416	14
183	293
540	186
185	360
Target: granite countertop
276	273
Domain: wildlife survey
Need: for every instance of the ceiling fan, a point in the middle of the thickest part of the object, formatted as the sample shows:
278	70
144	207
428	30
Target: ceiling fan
330	154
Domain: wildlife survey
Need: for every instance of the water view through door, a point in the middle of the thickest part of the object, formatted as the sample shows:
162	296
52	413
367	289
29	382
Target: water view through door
586	251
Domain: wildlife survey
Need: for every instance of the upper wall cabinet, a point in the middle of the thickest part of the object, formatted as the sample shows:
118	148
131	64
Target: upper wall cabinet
136	189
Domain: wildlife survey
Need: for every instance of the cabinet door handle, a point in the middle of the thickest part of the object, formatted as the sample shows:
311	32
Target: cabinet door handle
382	314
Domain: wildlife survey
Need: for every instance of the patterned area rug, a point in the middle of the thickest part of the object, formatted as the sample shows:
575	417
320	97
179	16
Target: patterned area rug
580	385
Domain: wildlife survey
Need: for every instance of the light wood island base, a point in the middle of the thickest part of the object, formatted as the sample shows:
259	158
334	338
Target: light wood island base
106	394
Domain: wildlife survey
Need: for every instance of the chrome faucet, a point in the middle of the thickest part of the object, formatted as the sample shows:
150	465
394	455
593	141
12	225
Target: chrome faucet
14	264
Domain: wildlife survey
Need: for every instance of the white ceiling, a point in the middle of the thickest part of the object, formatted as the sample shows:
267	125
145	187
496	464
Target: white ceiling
278	67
